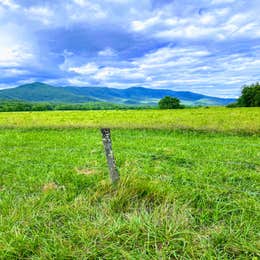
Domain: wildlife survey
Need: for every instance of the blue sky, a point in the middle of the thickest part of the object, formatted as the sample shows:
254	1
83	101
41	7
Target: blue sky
205	46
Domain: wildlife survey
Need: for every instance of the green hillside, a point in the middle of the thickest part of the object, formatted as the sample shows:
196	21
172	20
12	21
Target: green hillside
42	92
132	96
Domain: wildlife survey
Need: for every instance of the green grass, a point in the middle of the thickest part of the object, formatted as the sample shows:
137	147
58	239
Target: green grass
183	194
243	120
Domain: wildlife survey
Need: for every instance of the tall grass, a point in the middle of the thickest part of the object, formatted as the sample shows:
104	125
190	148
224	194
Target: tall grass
245	120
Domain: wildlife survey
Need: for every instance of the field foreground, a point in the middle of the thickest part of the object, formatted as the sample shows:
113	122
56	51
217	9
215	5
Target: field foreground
182	194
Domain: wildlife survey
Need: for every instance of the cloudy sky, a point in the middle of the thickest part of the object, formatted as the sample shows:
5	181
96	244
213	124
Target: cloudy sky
206	46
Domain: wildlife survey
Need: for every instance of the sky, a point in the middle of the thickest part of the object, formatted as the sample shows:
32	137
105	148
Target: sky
205	46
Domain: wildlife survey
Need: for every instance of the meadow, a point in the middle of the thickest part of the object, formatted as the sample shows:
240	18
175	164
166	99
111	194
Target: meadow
220	119
189	185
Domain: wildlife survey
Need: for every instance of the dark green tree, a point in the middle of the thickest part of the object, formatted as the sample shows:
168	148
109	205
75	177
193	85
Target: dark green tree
169	103
250	96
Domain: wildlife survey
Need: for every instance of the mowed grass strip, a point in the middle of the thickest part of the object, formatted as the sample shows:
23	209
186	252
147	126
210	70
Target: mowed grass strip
183	195
242	120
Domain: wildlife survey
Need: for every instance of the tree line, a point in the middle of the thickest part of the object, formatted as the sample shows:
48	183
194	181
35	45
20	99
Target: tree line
16	106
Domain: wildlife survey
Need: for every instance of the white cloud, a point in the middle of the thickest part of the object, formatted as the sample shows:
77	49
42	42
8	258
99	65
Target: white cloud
108	52
85	10
215	23
13	72
78	82
16	55
6	85
86	69
172	56
15	50
82	3
208	19
114	73
222	1
40	13
142	25
9	3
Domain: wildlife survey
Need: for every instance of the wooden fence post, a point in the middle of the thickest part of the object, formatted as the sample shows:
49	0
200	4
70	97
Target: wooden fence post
106	137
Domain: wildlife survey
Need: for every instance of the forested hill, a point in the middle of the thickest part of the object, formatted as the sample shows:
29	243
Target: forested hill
40	92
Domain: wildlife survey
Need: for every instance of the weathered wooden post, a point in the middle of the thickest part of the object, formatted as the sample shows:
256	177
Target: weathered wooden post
106	137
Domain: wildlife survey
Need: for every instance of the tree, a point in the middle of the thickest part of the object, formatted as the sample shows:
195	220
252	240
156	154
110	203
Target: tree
169	103
250	96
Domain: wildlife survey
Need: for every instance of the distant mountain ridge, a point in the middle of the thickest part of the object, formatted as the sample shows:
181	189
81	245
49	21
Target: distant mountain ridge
40	92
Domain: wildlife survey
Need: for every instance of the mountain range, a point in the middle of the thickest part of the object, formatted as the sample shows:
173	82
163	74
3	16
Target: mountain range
40	92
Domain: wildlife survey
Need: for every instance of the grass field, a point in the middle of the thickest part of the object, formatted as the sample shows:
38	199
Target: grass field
183	194
245	120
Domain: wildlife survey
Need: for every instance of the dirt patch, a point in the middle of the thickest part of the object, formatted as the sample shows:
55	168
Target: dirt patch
86	171
49	187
